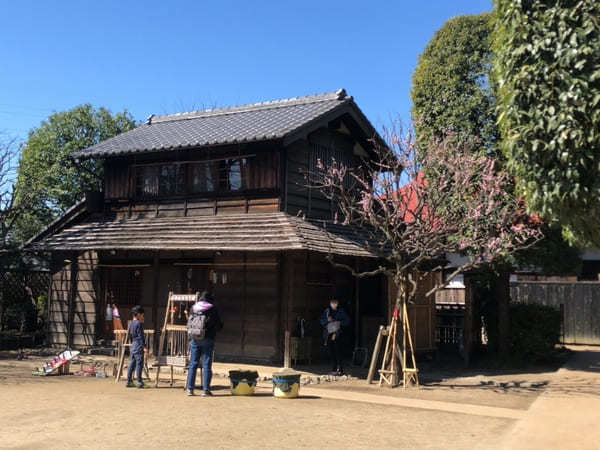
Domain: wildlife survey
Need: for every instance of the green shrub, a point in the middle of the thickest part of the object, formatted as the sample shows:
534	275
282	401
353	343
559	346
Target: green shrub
535	331
547	67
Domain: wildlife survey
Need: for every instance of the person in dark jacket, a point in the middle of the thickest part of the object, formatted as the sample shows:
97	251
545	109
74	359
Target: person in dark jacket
204	346
138	347
333	320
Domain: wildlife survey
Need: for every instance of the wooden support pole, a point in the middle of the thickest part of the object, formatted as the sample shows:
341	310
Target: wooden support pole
282	295
162	340
375	356
122	356
286	352
155	281
72	297
356	305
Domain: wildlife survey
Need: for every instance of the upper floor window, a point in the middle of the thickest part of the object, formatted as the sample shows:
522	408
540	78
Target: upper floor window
322	157
159	180
233	174
203	177
166	180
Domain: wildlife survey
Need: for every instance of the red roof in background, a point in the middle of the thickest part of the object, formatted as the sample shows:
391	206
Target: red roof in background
409	196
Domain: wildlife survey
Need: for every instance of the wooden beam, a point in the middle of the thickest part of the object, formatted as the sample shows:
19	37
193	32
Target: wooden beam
155	282
72	295
356	305
244	300
287	362
281	302
375	355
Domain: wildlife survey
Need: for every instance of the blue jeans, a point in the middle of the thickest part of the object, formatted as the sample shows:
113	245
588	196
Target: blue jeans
136	361
205	348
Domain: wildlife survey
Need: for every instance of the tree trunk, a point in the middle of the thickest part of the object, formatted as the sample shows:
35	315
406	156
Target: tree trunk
502	294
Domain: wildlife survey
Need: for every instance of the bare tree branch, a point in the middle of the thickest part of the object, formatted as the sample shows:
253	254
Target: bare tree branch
415	207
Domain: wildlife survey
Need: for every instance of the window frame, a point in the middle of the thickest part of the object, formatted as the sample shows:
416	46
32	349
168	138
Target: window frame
222	181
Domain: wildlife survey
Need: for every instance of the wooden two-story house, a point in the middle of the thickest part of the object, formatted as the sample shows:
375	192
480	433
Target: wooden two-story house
218	200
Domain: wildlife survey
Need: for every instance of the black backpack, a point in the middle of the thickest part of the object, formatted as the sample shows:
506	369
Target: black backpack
197	325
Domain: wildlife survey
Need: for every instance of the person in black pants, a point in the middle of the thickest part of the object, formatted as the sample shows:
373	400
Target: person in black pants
333	320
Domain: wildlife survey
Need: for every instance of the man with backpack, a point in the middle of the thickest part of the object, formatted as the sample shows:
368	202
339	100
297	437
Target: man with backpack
203	324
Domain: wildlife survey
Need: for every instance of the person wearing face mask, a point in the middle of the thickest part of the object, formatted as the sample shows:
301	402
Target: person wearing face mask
333	320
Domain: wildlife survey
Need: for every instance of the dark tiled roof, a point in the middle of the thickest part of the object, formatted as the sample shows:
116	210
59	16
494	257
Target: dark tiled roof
239	232
255	122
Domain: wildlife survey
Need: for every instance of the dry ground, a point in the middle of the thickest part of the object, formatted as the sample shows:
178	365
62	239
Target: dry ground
470	412
78	412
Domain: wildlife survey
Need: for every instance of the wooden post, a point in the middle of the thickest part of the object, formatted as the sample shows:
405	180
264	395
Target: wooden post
122	356
404	331
468	327
155	281
356	306
244	302
72	296
375	356
282	294
162	340
286	351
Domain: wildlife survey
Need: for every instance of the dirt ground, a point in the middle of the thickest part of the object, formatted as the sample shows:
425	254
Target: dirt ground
81	412
474	411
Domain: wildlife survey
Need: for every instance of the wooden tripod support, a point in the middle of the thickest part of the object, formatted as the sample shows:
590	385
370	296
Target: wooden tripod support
409	374
394	354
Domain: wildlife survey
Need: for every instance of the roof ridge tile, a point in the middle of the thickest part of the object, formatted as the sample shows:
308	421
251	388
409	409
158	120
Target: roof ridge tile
339	95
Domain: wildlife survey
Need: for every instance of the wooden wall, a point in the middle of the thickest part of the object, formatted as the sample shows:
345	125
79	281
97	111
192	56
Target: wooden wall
299	197
421	313
118	180
195	207
58	310
579	302
261	296
248	298
73	302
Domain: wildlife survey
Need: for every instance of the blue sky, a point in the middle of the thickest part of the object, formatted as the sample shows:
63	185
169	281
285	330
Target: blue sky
159	56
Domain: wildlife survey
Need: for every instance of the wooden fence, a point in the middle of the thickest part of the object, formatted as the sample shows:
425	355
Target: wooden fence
579	301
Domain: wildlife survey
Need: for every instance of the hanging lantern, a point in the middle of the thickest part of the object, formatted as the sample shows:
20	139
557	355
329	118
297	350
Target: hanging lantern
224	278
213	277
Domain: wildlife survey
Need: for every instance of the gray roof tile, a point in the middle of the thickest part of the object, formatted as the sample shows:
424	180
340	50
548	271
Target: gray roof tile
246	123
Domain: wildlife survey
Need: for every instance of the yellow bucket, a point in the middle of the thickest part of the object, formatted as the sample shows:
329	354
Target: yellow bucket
242	388
286	384
242	382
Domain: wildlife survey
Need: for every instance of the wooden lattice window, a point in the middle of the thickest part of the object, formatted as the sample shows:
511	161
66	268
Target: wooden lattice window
326	156
160	180
123	285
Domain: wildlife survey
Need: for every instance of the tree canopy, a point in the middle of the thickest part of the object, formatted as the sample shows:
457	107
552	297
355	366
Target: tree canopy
547	66
46	171
451	85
